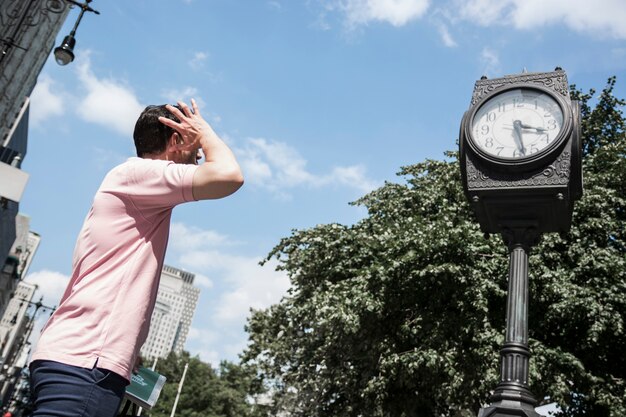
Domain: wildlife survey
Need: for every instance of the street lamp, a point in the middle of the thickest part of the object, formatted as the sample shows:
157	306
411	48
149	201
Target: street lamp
64	54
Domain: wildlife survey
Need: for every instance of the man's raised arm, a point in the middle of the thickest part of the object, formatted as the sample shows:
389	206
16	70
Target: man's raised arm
219	175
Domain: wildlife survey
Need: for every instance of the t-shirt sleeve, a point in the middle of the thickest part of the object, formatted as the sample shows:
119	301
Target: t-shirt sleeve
162	184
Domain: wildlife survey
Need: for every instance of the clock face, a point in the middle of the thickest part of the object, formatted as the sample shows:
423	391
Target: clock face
517	124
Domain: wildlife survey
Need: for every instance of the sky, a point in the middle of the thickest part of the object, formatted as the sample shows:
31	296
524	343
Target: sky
321	101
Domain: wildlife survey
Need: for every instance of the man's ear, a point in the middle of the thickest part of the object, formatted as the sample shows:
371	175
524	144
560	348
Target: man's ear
173	141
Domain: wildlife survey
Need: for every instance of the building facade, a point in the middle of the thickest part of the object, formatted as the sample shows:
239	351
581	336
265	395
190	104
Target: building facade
15	327
18	260
173	312
28	29
14	321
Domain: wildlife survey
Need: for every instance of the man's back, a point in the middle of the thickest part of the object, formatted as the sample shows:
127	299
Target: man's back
85	354
105	311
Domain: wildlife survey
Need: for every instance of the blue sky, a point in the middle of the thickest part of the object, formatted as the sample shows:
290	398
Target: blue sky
321	101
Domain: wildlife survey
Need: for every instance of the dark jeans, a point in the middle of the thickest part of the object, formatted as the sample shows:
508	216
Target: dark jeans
61	390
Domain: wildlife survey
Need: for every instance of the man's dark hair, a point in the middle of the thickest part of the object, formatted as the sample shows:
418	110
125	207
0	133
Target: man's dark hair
150	135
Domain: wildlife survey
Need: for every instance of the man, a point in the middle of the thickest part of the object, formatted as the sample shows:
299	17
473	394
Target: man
86	351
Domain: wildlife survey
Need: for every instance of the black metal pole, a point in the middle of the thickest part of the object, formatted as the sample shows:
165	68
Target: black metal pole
512	396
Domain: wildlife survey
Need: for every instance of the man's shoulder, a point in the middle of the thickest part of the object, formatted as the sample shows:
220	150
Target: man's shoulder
136	164
133	168
147	162
152	177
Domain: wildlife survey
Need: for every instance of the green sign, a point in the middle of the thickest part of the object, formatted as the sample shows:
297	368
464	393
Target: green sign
145	387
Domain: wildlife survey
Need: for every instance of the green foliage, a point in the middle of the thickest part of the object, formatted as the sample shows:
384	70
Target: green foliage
206	392
402	314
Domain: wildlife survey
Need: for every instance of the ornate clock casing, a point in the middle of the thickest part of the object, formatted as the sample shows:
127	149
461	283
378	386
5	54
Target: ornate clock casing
520	152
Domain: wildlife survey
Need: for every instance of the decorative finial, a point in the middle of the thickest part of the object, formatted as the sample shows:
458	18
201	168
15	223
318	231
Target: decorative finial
484	77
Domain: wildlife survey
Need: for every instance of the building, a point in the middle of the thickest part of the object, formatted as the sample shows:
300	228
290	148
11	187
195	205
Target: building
173	312
15	328
18	260
14	320
28	29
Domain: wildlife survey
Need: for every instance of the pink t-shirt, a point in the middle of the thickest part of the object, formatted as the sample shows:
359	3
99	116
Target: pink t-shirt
105	313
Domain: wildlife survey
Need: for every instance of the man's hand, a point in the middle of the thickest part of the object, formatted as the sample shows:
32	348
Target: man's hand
191	129
138	364
219	175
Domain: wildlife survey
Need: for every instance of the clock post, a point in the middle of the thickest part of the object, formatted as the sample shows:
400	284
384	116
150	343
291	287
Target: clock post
520	155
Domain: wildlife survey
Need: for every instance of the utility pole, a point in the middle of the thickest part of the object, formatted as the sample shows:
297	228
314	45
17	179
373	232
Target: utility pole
180	387
154	364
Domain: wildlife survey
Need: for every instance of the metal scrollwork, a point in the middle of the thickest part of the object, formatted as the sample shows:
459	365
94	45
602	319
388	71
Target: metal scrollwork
557	173
560	168
483	89
556	82
17	15
474	175
55	6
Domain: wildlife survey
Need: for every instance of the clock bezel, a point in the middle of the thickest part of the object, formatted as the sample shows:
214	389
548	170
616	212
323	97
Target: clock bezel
529	160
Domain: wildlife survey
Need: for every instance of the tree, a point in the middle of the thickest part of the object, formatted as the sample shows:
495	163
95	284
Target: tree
206	392
402	313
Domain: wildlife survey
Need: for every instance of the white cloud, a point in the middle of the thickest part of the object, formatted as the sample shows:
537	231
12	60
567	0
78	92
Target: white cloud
197	62
185	95
600	18
446	36
203	340
45	102
352	176
395	12
491	61
253	286
278	167
243	282
187	238
249	285
203	281
108	102
286	165
50	284
257	170
483	12
193	242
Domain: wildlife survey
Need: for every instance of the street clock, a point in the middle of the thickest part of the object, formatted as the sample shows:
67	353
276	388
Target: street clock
520	151
520	155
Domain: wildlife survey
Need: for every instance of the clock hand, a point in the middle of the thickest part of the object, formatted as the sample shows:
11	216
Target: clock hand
538	129
517	136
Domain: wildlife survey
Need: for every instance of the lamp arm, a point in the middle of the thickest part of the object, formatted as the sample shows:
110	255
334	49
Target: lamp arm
84	7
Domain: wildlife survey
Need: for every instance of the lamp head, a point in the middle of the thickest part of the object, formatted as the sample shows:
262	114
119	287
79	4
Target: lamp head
64	54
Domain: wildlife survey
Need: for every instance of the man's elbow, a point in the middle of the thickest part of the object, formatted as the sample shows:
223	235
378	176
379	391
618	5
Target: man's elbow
229	187
236	180
231	181
234	175
227	183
